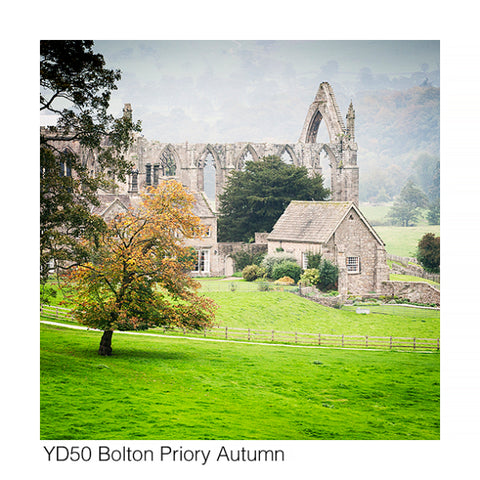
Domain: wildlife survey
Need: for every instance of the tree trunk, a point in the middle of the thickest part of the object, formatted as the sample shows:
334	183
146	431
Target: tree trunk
106	343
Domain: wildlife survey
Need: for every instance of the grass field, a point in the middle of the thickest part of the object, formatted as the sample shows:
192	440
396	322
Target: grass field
401	241
175	388
156	388
412	278
246	307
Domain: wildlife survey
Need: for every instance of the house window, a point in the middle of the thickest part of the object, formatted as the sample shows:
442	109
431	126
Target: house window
353	264
203	262
208	233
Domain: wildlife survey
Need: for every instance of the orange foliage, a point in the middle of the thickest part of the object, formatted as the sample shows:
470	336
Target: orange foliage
138	276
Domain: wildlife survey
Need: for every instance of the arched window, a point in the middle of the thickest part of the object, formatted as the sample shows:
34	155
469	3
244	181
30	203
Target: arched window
168	163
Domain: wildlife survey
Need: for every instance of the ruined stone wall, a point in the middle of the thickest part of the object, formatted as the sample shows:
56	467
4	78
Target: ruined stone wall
186	162
415	292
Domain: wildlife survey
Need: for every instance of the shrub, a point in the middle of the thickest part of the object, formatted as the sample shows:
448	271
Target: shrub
285	281
314	260
428	253
244	258
274	259
310	277
264	287
252	272
328	273
287	269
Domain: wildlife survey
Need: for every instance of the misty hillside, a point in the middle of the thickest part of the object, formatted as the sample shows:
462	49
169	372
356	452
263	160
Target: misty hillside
392	129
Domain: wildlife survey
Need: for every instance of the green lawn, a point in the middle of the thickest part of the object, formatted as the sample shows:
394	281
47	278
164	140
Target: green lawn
157	388
412	278
246	307
283	311
403	241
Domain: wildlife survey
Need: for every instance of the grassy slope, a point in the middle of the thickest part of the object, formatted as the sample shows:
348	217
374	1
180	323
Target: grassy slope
403	241
284	311
179	389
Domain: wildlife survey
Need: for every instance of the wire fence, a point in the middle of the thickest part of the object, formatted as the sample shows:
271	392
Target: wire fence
275	336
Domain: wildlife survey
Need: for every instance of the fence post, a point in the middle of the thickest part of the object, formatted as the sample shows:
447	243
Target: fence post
414	343
390	343
366	341
319	338
438	344
295	337
226	333
273	334
204	331
56	313
249	334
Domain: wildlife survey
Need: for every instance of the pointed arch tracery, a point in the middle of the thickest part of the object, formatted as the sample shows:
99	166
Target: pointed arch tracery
313	125
168	162
287	150
240	163
203	157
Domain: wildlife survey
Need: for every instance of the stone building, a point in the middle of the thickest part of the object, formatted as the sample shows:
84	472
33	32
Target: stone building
208	260
156	161
196	164
341	234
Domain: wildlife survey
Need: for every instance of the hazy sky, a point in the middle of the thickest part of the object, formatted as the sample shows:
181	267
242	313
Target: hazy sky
227	91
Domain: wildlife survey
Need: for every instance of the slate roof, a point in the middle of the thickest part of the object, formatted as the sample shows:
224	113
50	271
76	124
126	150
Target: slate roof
200	208
107	200
313	222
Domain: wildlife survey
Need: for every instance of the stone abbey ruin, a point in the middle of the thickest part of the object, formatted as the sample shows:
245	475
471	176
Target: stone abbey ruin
351	243
155	160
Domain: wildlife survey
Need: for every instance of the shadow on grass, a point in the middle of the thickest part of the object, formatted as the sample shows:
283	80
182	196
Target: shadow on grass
145	354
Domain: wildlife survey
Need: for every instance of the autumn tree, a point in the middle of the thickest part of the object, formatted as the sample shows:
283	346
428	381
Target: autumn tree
254	198
138	273
75	87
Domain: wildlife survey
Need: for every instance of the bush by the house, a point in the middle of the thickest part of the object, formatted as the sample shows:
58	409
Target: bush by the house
314	260
244	258
285	281
251	272
287	269
274	259
328	273
310	277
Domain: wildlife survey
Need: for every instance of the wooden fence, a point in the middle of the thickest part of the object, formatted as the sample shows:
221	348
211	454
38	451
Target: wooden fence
275	336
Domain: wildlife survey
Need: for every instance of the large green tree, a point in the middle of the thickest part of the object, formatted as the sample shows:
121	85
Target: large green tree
254	198
75	87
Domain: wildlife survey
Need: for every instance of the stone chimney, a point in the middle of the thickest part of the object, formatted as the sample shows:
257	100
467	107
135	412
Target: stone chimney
127	111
